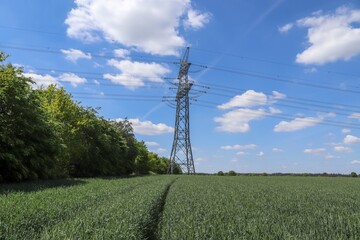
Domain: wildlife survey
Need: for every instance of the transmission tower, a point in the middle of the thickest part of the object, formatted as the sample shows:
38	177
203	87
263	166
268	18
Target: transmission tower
181	153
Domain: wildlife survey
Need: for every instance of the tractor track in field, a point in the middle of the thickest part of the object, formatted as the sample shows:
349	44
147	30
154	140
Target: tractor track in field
150	232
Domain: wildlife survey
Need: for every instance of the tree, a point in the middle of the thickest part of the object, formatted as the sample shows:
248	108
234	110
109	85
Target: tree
142	163
231	173
220	173
353	174
28	140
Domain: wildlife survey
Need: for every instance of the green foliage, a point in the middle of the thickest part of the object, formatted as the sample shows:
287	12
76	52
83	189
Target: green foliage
231	173
44	133
29	142
353	174
220	173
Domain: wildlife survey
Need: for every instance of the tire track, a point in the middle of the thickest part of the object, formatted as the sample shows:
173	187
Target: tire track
150	231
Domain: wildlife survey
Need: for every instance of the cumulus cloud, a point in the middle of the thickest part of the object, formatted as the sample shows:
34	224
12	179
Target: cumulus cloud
72	78
240	153
345	130
151	144
148	128
297	124
355	116
355	162
160	150
329	157
342	149
260	154
134	74
350	139
150	26
277	150
238	120
238	147
73	54
121	53
331	37
285	28
314	150
196	19
252	98
41	80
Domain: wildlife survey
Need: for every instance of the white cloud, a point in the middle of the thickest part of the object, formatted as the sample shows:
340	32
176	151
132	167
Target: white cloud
248	99
350	139
342	149
274	110
238	147
151	144
260	154
297	124
148	128
240	153
134	74
238	120
332	37
196	20
150	26
121	53
277	150
287	27
252	98
355	115
355	162
41	80
314	150
199	159
277	95
329	157
73	54
345	130
160	150
72	78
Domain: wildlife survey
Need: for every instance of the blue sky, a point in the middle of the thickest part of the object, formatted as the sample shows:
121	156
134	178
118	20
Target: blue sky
281	77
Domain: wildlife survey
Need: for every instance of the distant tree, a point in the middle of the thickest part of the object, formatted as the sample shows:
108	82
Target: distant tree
158	164
353	174
142	161
231	173
220	173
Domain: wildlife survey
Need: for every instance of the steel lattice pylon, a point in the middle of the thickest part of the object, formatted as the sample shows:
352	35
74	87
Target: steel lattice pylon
181	153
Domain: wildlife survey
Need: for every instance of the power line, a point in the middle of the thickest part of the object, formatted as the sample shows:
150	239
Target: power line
273	78
235	90
273	62
265	114
57	51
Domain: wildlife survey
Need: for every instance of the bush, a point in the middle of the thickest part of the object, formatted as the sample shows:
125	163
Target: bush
353	174
231	173
220	173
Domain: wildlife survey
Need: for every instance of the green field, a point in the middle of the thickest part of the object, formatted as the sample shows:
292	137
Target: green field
182	207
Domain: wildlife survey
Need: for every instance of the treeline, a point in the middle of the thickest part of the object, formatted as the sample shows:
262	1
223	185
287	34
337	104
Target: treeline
46	134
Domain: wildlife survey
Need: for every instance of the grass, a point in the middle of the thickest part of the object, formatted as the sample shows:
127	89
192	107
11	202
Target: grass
96	209
200	207
192	207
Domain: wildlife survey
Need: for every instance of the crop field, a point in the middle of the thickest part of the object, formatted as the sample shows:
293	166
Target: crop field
182	207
